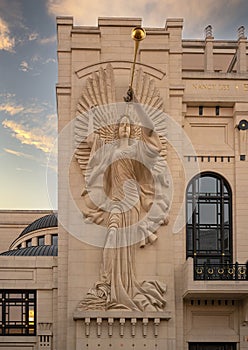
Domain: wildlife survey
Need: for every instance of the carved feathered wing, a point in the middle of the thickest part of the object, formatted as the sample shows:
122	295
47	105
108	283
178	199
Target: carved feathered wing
148	95
98	102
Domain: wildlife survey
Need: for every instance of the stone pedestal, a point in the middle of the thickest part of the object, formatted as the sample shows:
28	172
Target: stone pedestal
122	330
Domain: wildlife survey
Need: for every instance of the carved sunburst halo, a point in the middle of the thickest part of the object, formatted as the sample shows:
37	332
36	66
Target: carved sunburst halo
98	102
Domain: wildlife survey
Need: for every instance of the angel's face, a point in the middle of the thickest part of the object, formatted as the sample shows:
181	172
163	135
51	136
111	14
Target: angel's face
124	128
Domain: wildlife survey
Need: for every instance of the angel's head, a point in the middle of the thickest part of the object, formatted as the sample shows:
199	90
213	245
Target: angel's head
124	127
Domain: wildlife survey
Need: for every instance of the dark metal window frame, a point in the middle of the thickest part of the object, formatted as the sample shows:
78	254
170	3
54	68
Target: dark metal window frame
212	346
194	227
41	240
201	110
27	302
54	239
29	242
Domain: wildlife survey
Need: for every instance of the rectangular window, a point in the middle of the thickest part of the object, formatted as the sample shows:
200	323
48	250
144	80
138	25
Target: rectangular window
41	240
29	243
200	110
18	312
54	239
217	110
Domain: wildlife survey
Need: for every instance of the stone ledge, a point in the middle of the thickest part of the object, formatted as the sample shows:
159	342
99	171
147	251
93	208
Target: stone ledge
119	21
79	315
64	20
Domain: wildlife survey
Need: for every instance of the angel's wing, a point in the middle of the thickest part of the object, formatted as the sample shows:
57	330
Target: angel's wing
147	94
97	103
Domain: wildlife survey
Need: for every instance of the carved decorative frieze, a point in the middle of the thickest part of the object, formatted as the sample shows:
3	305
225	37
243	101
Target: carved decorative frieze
121	150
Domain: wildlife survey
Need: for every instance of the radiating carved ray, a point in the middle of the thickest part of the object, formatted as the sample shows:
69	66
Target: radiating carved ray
98	100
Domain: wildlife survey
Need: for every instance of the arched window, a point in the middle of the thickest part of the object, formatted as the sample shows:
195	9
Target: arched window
209	219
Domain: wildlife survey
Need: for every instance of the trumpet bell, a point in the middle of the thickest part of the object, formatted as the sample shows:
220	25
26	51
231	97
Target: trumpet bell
138	34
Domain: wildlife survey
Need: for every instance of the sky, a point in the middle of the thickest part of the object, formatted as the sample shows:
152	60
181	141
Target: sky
28	76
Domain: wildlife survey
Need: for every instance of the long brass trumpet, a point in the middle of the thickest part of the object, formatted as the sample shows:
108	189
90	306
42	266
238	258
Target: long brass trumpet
138	34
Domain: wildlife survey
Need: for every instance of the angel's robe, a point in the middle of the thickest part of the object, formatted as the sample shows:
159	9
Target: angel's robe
130	200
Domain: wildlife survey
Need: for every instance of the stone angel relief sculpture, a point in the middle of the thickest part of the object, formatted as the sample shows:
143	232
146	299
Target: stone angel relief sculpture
123	160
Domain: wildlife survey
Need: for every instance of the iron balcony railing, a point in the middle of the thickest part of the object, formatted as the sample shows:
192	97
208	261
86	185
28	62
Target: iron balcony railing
220	272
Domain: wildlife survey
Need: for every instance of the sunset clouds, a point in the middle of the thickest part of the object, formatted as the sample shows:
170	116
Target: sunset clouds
28	121
31	124
11	108
196	14
18	154
41	137
34	137
28	65
7	43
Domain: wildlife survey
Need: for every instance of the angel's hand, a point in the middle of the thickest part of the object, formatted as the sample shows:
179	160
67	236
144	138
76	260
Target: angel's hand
129	96
112	232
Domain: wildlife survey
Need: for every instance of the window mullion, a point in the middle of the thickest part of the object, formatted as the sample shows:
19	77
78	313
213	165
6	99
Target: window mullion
194	217
222	219
3	311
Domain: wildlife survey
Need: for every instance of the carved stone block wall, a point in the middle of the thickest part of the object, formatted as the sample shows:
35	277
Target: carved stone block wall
122	330
45	336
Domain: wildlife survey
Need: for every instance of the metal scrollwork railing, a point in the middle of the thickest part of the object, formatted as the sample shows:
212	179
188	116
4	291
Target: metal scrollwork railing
221	271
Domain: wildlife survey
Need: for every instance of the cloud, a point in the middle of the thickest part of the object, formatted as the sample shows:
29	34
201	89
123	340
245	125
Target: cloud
11	108
23	169
49	40
14	13
50	60
35	58
31	136
33	36
27	110
35	63
7	95
51	123
196	14
43	41
24	66
33	109
50	162
6	42
38	131
19	154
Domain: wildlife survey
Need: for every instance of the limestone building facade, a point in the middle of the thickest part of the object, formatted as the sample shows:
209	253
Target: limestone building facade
187	287
28	265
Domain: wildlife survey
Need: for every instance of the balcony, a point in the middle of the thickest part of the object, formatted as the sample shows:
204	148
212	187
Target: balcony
220	272
218	281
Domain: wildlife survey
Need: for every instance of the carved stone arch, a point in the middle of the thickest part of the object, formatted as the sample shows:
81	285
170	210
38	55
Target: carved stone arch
152	71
